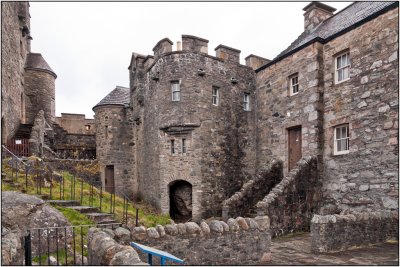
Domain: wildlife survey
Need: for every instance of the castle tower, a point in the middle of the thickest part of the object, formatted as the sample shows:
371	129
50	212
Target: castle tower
39	88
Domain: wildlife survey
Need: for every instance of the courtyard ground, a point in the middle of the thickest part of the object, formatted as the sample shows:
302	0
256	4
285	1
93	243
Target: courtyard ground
297	251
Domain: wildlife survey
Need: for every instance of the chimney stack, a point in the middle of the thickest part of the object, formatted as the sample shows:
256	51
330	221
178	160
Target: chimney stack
178	46
315	14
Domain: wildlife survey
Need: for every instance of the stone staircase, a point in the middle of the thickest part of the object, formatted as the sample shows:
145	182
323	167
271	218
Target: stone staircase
92	213
24	131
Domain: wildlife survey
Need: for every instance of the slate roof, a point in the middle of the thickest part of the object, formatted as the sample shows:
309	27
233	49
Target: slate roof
352	16
118	96
36	61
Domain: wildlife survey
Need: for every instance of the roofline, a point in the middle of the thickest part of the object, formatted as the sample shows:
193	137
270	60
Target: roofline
324	41
119	105
44	70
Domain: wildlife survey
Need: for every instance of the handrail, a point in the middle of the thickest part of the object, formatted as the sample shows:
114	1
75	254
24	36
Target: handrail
3	146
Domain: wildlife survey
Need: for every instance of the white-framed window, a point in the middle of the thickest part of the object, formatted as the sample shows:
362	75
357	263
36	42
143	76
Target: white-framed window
172	146
176	90
341	139
215	96
342	67
183	146
246	101
294	85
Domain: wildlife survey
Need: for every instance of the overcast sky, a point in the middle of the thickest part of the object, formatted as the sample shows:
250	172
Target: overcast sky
89	45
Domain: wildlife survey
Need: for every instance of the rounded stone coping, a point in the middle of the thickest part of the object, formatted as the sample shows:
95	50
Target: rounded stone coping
354	217
213	227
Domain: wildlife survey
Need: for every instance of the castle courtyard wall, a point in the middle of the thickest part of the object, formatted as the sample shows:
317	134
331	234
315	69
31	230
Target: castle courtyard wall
14	48
220	139
367	177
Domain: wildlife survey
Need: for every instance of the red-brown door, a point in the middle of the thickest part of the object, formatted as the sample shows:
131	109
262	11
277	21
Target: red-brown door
294	146
109	181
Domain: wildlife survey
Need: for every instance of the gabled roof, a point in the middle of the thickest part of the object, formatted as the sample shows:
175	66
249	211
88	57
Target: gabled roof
119	96
36	61
352	16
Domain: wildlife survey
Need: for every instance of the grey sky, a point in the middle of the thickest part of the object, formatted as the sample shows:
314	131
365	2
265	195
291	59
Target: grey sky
89	45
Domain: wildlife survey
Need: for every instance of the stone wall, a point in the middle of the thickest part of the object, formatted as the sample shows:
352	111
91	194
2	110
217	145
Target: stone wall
73	146
242	240
220	139
36	140
104	250
76	123
291	203
367	177
243	202
114	142
278	111
331	233
15	45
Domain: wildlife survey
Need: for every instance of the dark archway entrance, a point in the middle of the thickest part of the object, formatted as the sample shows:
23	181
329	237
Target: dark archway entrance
180	199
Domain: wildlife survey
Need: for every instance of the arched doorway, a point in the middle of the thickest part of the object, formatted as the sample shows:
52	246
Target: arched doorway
180	201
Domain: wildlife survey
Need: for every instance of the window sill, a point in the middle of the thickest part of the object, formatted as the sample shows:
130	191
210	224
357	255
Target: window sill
341	153
336	82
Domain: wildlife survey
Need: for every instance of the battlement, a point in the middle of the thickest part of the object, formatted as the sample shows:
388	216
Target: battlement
192	43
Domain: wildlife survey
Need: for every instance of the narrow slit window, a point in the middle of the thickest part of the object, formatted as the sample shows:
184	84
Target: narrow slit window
215	96
183	146
246	101
176	91
172	146
106	132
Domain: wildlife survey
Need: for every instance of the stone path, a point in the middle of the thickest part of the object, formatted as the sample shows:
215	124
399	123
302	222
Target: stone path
297	251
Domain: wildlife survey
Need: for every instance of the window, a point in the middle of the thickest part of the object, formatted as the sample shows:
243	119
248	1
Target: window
106	132
183	146
246	101
294	85
215	96
176	90
172	146
342	67
87	127
341	136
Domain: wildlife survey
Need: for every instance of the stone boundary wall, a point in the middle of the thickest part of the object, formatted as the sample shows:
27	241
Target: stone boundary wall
291	204
104	250
253	191
331	233
244	241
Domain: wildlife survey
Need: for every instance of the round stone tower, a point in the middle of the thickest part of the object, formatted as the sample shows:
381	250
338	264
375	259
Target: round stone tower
39	88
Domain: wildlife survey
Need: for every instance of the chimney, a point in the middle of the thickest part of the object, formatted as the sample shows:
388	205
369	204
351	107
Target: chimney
255	62
227	53
315	14
178	46
162	47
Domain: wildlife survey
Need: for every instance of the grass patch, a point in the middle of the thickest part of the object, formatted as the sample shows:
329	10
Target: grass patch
74	188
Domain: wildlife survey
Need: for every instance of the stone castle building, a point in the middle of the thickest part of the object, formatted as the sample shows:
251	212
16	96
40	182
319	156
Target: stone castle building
28	120
195	133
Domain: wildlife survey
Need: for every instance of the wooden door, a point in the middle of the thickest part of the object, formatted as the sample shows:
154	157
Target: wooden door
294	146
109	181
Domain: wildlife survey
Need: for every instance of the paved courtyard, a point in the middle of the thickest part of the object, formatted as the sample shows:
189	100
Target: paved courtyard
297	251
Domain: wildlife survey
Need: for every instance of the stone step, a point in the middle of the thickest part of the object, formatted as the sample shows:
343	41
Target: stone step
107	222
99	217
84	209
64	203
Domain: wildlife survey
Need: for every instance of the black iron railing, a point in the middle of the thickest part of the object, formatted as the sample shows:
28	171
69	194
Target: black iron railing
62	245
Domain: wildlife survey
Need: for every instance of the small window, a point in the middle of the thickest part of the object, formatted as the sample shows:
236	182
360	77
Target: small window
87	127
215	96
176	90
172	146
342	67
106	131
246	101
183	146
341	142
294	85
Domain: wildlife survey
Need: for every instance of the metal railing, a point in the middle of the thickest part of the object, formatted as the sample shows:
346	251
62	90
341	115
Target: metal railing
61	245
